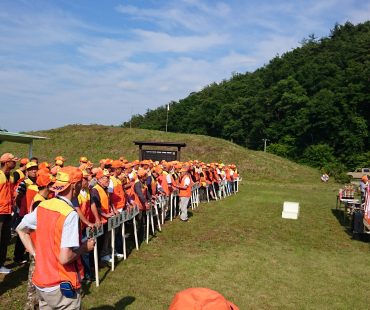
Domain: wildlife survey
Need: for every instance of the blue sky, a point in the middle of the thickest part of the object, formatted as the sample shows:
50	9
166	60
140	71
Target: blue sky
100	61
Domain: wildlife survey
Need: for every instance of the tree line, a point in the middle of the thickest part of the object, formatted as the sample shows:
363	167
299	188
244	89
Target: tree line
312	103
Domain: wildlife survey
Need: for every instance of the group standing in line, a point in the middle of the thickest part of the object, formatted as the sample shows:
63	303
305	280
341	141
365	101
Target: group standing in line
53	204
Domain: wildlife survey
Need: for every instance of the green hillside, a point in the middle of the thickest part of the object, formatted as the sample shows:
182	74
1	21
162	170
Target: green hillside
312	103
96	142
239	246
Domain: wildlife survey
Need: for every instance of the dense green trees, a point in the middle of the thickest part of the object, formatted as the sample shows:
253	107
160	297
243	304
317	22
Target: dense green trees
311	103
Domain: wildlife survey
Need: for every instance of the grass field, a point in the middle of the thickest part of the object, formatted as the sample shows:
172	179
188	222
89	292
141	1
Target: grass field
239	246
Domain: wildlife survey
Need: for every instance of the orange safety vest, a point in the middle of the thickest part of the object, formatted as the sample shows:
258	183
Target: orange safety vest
228	175
6	194
118	196
104	201
31	191
216	177
85	207
162	180
236	174
185	192
49	272
144	189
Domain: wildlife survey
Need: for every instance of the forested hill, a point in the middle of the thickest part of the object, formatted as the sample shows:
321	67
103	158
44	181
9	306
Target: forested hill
312	103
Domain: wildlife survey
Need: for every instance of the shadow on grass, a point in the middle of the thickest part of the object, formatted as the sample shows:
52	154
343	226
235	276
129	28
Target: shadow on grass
14	279
121	304
347	225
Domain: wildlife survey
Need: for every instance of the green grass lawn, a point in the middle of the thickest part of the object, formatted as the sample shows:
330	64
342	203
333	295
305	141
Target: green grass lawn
242	248
239	246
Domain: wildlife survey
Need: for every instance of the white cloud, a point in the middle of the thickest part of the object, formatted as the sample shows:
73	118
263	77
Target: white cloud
110	51
129	85
163	42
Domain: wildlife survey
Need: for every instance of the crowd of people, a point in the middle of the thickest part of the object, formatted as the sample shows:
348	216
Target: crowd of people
51	205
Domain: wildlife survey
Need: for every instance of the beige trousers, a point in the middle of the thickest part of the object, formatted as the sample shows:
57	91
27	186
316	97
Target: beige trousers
56	301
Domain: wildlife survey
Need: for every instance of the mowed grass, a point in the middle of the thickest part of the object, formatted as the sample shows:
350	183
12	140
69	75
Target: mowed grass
240	247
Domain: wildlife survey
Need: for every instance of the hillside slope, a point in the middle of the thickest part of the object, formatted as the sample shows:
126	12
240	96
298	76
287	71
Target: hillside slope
96	142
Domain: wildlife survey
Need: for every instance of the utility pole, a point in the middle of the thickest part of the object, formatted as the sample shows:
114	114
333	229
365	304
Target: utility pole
264	143
168	109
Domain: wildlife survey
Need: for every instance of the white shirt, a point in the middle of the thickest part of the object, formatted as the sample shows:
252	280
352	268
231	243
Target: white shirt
187	181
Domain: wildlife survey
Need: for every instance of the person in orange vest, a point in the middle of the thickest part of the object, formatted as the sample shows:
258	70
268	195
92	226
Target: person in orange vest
7	162
184	187
201	298
142	198
87	219
27	189
44	181
117	197
102	210
20	174
58	245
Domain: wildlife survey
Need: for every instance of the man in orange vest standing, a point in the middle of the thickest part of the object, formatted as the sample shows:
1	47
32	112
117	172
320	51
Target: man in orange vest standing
27	189
102	210
184	187
7	162
58	247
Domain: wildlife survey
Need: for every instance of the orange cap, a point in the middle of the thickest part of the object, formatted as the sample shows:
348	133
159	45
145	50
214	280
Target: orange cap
116	164
24	161
8	157
44	178
141	172
61	158
102	173
108	162
364	178
200	298
44	165
65	177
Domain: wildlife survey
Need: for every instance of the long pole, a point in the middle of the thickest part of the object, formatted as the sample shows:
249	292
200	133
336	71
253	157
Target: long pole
168	108
265	141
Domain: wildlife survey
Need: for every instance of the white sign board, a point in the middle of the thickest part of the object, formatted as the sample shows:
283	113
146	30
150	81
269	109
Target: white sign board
290	210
